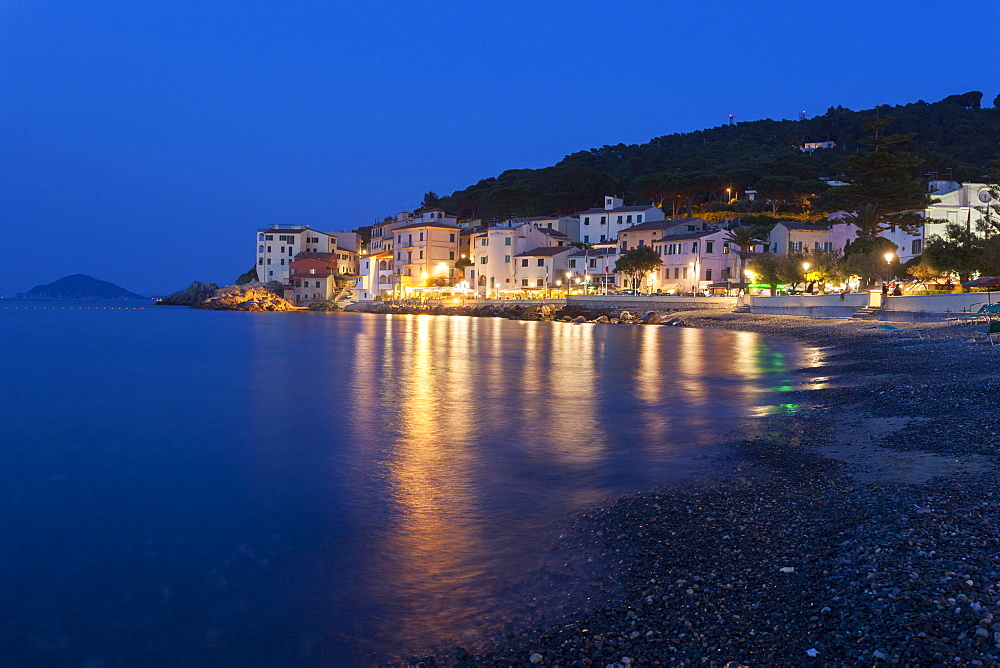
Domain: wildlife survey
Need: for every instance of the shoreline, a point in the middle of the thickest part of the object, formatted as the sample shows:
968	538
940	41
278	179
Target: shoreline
860	529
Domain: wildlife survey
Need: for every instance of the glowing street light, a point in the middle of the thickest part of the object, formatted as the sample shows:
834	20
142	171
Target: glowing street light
888	268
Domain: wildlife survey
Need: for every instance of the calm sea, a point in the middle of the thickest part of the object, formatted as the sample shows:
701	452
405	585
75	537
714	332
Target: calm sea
183	487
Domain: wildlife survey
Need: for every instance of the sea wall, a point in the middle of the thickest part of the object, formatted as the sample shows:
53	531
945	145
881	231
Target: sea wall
904	308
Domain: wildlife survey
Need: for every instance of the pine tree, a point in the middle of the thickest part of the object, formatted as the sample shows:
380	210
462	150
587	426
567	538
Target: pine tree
881	178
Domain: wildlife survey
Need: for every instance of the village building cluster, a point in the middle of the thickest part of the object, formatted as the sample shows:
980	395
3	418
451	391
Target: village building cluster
431	252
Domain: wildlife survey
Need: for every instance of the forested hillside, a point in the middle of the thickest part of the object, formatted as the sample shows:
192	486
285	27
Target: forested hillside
956	138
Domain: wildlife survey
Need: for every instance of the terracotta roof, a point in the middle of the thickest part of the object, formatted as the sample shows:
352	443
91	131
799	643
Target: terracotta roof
545	251
643	207
416	225
552	232
595	252
663	224
289	230
792	225
313	256
681	236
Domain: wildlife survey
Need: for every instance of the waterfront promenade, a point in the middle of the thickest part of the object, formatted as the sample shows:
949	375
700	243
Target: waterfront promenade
861	527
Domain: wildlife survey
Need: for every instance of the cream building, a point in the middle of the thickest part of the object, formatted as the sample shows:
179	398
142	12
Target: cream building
278	245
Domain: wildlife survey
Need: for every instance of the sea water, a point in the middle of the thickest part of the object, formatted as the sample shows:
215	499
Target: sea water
184	487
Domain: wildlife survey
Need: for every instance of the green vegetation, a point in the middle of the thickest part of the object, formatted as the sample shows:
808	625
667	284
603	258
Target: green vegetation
702	171
635	263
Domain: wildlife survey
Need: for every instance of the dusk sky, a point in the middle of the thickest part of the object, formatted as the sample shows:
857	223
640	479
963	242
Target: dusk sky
143	143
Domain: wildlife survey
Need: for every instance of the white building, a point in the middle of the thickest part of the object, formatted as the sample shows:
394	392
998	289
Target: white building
492	252
544	268
595	265
568	225
603	224
278	245
958	204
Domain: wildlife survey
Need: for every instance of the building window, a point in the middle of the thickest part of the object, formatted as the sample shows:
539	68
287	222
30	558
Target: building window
506	241
916	247
586	220
506	258
624	246
524	282
268	261
725	248
708	274
572	264
541	262
524	262
628	219
593	263
312	271
708	246
485	240
268	249
602	220
483	260
638	219
451	255
260	237
540	283
269	237
421	255
282	250
603	238
421	236
282	262
677	272
685	272
260	260
586	239
642	242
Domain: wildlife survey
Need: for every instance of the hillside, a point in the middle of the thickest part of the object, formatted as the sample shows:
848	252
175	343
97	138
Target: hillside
956	138
79	286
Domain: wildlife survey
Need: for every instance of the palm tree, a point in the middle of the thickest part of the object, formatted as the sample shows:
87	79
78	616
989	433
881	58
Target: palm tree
868	220
744	239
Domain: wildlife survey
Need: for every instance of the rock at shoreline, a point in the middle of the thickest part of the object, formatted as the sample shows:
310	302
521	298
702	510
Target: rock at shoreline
650	318
328	305
193	294
250	297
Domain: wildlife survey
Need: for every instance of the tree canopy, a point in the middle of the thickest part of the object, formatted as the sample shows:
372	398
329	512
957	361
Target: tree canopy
635	263
954	138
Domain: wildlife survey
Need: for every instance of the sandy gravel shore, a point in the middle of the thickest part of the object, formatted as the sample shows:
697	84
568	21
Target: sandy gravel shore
863	528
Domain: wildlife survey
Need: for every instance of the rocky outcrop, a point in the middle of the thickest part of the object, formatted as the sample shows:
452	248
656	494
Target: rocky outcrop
191	295
250	297
329	305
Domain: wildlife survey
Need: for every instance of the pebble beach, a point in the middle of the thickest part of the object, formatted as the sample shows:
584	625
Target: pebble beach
860	528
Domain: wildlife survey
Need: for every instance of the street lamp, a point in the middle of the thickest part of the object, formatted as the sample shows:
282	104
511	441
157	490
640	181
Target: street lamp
888	268
805	272
569	275
694	276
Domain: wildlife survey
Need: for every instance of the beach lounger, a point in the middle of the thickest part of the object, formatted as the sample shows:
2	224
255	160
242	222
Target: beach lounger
991	330
899	330
985	312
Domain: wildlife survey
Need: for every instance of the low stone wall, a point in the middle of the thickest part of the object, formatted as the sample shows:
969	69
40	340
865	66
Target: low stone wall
650	303
905	308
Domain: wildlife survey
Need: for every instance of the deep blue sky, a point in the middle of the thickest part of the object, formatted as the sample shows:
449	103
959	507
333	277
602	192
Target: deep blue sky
144	142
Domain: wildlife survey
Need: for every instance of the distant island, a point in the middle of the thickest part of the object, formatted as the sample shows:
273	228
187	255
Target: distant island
80	286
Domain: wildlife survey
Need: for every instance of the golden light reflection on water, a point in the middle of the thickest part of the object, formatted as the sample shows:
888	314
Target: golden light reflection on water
487	427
